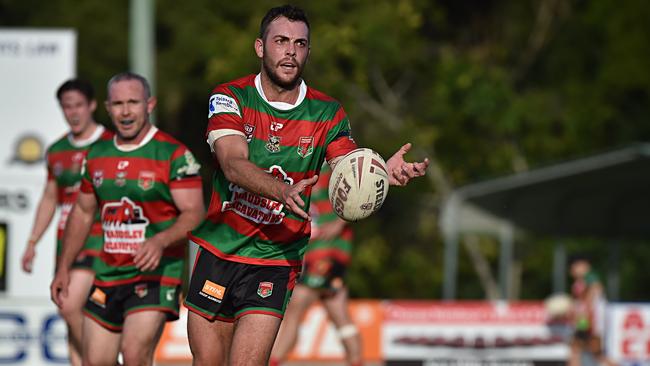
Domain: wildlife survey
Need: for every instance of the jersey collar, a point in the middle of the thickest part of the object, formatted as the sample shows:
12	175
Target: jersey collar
131	147
85	142
281	105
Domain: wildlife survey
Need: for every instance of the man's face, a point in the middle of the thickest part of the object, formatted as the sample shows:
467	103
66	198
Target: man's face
129	108
284	51
77	110
579	269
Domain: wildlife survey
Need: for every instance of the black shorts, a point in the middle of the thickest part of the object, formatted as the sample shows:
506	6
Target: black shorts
225	290
109	305
323	273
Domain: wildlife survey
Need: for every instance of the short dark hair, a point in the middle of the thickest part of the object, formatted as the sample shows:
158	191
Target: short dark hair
578	257
128	75
290	12
82	86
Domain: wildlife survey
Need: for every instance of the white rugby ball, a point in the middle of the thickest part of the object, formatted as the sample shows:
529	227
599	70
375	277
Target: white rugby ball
358	185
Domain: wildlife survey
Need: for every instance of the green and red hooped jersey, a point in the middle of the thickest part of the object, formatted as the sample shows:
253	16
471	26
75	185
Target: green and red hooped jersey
288	141
321	212
64	162
133	188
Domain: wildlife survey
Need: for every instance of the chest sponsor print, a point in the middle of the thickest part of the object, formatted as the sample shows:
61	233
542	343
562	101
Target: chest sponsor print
256	208
124	226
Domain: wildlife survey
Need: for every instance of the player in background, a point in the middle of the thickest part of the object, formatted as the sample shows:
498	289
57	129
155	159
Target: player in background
324	268
588	315
146	186
270	134
64	160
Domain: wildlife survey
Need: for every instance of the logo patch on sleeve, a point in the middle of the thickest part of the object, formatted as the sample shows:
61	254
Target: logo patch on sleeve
221	103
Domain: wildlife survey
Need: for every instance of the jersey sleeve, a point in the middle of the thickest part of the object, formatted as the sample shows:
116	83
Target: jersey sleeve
50	171
224	115
339	138
184	170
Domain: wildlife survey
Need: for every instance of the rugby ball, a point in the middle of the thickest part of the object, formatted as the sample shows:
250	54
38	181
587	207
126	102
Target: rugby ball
358	185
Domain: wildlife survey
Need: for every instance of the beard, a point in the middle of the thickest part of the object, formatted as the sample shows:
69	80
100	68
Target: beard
270	70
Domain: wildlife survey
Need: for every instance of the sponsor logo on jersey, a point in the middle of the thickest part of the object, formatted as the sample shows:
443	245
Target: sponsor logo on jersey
276	126
122	164
120	179
265	289
221	103
249	130
124	226
305	146
212	291
146	179
77	160
191	167
273	145
98	297
98	178
141	290
255	207
66	208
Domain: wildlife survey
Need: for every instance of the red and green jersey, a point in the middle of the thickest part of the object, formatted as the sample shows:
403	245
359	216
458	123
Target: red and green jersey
288	141
64	161
133	188
321	212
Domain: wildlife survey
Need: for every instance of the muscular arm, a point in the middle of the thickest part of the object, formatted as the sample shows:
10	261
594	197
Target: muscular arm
76	230
44	213
189	202
232	153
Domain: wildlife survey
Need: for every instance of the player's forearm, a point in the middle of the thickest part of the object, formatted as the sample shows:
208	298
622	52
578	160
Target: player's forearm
44	213
76	231
177	233
249	176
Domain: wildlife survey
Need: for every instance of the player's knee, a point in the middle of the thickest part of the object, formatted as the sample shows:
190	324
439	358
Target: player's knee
348	331
70	312
135	355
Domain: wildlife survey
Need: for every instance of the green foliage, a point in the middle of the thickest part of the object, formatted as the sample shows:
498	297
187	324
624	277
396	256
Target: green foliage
485	88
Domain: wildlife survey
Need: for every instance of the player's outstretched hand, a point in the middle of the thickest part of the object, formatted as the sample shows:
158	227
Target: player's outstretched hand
291	196
147	258
59	286
401	172
27	260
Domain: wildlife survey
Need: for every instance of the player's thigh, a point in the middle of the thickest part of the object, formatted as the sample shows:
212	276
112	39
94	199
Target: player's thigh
81	280
301	299
99	345
253	339
209	340
336	305
140	334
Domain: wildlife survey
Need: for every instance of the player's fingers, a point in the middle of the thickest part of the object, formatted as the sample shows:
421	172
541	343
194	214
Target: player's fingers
293	206
311	181
404	149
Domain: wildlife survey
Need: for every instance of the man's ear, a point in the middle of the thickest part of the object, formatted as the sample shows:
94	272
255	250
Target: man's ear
259	47
151	104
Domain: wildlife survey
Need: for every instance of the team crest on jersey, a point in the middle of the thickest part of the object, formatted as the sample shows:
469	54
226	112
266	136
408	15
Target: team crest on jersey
249	130
273	145
98	178
141	290
265	289
146	180
305	146
120	179
57	169
124	226
254	207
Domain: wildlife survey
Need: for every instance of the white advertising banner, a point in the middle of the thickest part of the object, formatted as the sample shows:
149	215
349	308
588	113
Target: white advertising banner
33	64
31	333
628	334
472	333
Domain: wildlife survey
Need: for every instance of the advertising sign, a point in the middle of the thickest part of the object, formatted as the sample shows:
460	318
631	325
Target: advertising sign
628	334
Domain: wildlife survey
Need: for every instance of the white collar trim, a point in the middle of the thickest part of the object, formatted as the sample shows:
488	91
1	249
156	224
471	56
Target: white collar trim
85	142
132	147
281	105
